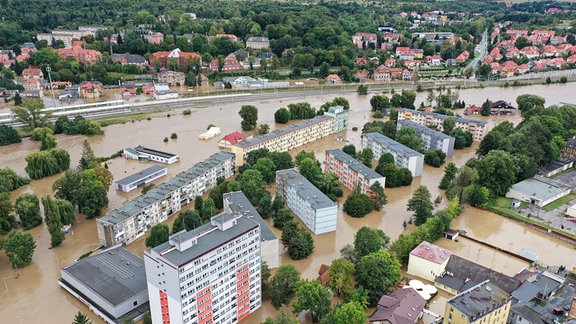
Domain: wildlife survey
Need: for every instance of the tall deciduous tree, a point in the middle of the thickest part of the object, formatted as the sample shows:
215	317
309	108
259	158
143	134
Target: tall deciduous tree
283	284
449	176
312	296
340	277
282	116
358	205
31	113
158	235
369	240
282	317
27	207
7	221
421	204
9	135
19	248
378	273
249	116
53	221
496	172
348	313
267	168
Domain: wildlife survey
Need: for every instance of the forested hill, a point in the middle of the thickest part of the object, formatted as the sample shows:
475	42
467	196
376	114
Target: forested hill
22	19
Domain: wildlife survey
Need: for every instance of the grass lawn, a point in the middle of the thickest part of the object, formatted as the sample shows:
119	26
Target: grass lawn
559	202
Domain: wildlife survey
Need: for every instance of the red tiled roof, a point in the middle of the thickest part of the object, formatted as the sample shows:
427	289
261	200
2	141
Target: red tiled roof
234	138
431	252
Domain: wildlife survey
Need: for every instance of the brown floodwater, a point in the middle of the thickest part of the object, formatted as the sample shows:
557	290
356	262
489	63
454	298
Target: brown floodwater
32	295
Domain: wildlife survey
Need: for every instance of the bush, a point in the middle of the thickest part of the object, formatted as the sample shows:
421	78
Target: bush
174	136
378	114
563	79
187	112
165	139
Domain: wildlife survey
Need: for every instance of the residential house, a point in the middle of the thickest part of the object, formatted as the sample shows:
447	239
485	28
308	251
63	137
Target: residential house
181	59
314	208
462	57
482	303
365	40
384	73
530	52
91	89
404	156
406	75
362	76
32	84
569	151
32	73
523	68
232	37
434	60
428	261
172	78
79	53
128	58
230	64
472	110
402	306
257	43
135	217
390	62
501	107
460	275
350	172
333	78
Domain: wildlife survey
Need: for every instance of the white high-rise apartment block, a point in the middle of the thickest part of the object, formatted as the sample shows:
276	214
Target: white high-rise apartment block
434	139
207	275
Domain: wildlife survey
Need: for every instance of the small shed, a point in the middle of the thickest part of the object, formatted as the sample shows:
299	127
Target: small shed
515	203
451	234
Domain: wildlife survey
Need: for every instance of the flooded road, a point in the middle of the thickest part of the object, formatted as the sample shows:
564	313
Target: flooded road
33	296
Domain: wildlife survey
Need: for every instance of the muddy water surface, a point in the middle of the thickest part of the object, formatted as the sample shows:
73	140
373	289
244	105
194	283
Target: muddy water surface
31	295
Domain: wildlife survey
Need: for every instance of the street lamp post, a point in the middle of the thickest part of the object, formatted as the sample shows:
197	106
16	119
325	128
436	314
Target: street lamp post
49	69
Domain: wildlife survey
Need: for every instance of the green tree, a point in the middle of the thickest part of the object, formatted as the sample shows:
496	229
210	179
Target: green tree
31	113
341	101
378	273
475	195
449	176
362	90
53	221
249	116
19	248
358	205
208	209
188	220
41	164
312	296
421	204
310	169
46	137
366	156
283	284
8	135
379	102
434	158
87	159
340	277
348	313
448	125
281	217
369	240
349	149
485	109
267	169
527	102
379	198
159	234
27	207
9	180
7	221
297	240
408	137
81	318
496	172
282	116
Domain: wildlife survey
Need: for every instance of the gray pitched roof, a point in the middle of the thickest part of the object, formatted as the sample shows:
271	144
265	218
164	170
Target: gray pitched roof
464	271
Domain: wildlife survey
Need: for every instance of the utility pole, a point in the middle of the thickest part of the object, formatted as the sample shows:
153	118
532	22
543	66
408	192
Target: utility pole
49	69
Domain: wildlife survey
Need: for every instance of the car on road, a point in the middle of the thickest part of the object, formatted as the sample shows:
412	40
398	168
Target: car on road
558	311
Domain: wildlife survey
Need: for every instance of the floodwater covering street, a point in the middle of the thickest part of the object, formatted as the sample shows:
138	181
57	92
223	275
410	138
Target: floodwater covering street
32	295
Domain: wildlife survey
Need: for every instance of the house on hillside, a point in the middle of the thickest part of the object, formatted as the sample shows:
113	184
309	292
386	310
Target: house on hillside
402	306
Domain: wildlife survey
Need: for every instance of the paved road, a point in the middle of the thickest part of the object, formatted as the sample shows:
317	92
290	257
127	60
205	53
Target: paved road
483	51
